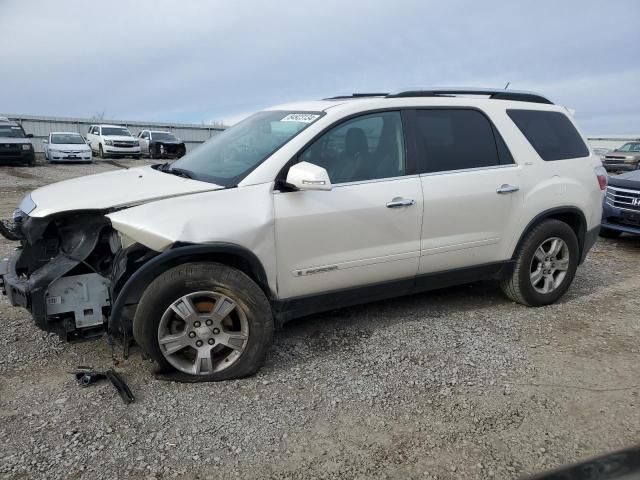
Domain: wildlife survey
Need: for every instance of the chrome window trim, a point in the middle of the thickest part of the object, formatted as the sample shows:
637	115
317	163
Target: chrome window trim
475	169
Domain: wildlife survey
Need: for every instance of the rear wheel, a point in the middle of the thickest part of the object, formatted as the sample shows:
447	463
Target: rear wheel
545	265
206	321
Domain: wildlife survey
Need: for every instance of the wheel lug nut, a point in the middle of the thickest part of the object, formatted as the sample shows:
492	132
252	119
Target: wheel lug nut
192	334
216	331
211	341
196	324
209	322
199	343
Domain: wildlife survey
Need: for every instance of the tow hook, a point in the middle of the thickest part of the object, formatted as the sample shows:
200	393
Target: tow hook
86	376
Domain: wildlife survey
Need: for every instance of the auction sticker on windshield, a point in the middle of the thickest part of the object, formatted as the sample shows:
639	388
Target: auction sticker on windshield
300	117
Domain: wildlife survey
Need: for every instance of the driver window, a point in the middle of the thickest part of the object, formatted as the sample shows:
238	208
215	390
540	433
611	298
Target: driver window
364	148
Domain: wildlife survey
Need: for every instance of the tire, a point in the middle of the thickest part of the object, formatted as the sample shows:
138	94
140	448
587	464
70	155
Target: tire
606	233
207	285
150	153
523	286
137	157
101	152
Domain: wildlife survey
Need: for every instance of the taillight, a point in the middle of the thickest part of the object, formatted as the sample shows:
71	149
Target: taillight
601	175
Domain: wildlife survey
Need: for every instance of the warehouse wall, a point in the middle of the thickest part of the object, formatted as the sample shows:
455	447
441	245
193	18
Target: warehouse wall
40	126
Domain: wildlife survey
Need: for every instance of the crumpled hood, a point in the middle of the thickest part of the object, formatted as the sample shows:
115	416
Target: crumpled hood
120	188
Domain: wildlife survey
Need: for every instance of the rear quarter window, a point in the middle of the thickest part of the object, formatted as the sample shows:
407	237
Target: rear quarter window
551	134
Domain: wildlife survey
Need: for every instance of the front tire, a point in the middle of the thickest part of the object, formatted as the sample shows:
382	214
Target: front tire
205	321
546	264
100	152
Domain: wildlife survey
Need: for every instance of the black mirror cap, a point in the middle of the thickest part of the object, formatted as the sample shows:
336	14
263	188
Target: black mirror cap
29	135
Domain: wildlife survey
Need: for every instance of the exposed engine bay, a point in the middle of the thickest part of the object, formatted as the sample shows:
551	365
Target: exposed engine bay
66	271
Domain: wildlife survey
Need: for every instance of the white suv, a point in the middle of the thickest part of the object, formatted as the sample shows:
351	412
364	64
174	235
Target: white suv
308	207
112	141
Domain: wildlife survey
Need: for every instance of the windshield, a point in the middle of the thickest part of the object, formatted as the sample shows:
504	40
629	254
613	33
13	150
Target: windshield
67	138
630	147
11	131
231	155
163	136
116	131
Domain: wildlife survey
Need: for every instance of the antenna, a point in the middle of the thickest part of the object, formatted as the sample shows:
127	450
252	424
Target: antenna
507	85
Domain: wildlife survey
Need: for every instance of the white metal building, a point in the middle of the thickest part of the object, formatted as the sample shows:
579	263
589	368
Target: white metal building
611	141
192	134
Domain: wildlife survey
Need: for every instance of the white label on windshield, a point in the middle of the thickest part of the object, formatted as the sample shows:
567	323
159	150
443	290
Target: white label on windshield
300	117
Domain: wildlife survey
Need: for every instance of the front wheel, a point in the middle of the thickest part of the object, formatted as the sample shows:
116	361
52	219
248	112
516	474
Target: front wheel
546	263
205	322
100	151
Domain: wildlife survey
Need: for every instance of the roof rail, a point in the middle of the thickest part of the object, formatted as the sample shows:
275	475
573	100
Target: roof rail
495	94
357	95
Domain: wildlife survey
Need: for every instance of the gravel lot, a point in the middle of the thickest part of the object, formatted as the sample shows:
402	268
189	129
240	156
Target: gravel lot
457	383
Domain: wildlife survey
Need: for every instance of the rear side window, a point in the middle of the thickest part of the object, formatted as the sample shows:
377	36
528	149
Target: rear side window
551	134
458	139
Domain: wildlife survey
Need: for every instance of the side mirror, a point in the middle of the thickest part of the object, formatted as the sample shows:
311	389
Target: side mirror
307	176
29	135
45	141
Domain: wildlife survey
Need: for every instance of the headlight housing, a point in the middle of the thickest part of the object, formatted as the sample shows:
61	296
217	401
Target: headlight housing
108	142
26	146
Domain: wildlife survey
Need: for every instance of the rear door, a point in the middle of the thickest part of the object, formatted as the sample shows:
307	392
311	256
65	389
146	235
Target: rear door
366	230
471	188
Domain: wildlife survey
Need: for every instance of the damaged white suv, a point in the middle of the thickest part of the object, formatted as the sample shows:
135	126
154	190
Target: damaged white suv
308	207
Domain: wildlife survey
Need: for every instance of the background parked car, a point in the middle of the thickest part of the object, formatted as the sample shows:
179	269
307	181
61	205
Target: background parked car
66	147
113	141
159	144
601	152
621	209
624	158
15	145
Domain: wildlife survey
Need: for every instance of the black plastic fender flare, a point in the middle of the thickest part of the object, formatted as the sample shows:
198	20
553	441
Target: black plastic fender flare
179	253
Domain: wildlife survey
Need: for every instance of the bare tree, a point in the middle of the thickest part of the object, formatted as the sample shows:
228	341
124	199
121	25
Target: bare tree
98	116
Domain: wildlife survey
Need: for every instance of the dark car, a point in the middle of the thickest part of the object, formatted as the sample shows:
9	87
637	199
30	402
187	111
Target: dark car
621	209
15	145
157	144
624	158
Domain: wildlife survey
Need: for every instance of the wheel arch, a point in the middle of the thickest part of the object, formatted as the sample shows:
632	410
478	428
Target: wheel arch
572	216
232	255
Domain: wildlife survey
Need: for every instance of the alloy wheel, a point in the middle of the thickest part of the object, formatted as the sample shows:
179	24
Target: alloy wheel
549	265
203	333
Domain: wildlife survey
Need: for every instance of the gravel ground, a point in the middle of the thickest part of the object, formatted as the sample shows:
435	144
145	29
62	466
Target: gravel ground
457	383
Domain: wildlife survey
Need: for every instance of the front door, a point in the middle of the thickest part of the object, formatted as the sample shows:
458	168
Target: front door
366	230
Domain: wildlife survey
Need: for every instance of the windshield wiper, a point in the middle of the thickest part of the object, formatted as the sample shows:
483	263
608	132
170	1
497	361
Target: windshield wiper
180	172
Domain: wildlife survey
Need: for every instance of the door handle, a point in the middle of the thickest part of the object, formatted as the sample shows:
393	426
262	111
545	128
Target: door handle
506	188
399	202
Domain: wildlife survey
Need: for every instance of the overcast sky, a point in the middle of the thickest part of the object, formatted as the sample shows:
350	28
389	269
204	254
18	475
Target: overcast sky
193	61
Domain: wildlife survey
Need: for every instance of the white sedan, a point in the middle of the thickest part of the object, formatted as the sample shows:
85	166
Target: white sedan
66	147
